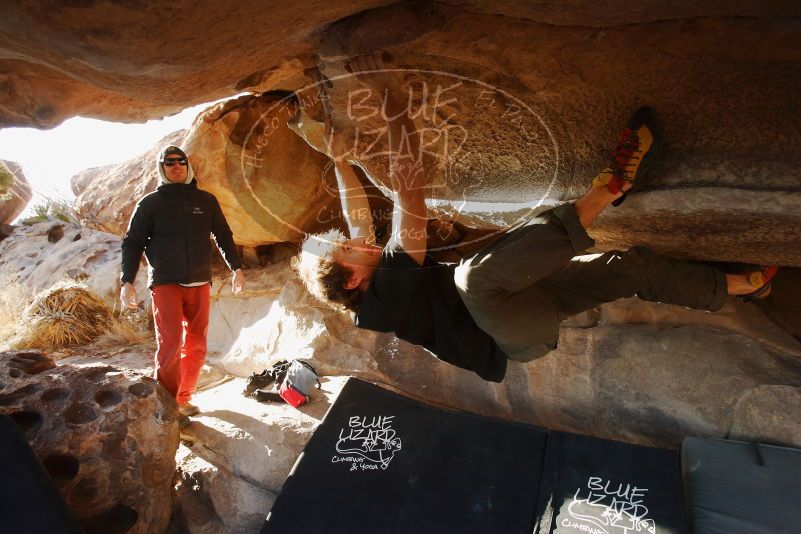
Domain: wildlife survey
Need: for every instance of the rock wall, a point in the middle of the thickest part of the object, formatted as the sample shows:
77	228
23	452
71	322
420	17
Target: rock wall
519	105
42	254
15	191
646	373
106	437
64	60
61	60
518	102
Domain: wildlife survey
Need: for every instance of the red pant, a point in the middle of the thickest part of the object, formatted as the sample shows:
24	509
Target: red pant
181	316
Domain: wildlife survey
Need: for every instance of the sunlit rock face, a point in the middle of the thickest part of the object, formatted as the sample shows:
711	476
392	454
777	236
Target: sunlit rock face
15	191
106	437
33	258
271	185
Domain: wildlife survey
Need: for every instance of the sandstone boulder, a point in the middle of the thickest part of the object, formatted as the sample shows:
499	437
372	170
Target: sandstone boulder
29	259
15	191
271	185
105	197
122	64
107	437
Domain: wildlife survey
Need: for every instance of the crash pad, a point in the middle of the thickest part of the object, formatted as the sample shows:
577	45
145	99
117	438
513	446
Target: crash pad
735	486
381	462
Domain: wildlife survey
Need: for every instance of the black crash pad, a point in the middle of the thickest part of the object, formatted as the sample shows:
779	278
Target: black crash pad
734	487
29	502
597	486
382	463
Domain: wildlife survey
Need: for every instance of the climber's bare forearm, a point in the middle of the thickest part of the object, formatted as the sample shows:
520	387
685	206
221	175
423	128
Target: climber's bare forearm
355	204
410	216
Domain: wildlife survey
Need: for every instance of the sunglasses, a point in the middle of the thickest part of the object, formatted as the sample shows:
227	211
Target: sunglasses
169	162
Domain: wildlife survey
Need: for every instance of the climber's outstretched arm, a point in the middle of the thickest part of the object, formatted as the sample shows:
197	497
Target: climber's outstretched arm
355	204
410	216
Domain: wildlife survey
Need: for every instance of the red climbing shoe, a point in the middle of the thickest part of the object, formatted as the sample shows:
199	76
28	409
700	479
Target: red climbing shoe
760	280
635	151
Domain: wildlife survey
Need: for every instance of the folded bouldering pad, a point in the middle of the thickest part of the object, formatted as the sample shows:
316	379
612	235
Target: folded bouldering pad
29	501
383	463
738	487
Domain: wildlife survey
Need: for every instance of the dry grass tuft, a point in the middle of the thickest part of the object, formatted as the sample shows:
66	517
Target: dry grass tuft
130	328
66	314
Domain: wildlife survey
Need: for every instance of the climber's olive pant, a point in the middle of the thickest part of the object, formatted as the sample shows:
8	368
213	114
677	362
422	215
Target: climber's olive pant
522	286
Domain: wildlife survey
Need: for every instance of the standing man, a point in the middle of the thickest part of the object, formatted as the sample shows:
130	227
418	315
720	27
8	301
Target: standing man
172	226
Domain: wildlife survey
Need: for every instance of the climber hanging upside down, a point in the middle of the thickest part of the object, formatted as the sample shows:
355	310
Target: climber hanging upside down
506	301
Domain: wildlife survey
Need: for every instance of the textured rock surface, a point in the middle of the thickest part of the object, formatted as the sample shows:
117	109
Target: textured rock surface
62	60
105	196
238	453
708	223
519	102
15	191
28	258
107	437
271	185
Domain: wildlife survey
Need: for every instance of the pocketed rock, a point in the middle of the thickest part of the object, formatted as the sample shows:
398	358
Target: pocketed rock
107	438
238	454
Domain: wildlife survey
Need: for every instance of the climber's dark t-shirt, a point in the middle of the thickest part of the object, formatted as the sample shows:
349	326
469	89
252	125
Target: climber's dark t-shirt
421	305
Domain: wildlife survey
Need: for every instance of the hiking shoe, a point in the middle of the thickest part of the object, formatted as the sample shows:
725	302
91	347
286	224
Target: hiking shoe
187	409
635	150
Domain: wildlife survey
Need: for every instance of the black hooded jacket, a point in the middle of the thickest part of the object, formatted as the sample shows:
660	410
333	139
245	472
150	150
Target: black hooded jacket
172	226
